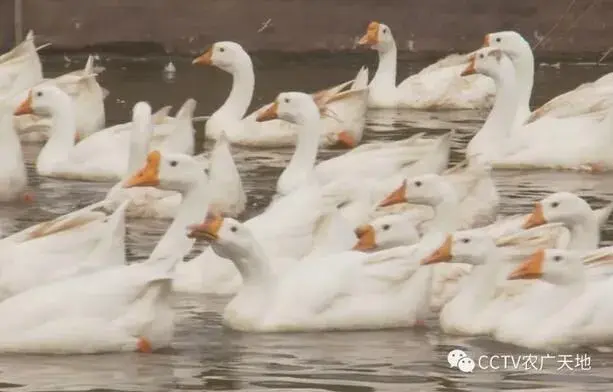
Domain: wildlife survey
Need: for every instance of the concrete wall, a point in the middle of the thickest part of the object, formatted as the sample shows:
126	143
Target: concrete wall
7	26
188	26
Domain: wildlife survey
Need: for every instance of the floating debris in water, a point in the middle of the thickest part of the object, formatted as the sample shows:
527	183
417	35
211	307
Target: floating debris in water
552	65
169	71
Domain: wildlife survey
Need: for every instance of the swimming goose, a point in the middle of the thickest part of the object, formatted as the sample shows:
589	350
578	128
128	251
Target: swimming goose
228	197
549	142
343	126
438	86
346	291
483	294
300	110
89	160
60	157
87	96
138	316
591	99
570	305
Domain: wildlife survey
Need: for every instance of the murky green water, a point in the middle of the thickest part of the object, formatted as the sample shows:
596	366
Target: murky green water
206	356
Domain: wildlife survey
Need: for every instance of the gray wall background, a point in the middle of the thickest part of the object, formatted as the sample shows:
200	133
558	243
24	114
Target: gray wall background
420	26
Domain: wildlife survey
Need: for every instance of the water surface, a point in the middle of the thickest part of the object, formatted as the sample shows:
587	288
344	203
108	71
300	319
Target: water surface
207	356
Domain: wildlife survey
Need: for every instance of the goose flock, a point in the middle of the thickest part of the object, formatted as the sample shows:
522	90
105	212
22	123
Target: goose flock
384	235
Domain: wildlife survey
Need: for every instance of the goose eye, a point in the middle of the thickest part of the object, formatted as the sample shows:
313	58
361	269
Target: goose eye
557	258
233	229
481	56
174	163
286	100
465	240
384	31
386	227
498	39
206	171
222	49
555	204
39	94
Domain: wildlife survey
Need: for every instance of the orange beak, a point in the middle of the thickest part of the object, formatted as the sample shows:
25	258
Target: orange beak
345	140
208	230
536	218
25	107
372	35
366	238
396	197
443	253
486	41
269	114
205	59
470	70
148	175
531	268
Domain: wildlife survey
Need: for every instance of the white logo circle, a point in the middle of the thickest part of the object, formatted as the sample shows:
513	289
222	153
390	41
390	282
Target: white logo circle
466	365
454	357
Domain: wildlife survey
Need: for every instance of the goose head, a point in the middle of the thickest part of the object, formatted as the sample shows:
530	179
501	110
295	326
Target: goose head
175	172
468	247
427	189
294	107
225	55
228	237
485	61
510	42
556	266
43	101
378	36
563	207
386	232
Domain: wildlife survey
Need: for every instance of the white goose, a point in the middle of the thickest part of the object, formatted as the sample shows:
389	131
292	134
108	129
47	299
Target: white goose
440	194
88	99
349	290
60	157
592	99
548	142
343	126
473	188
438	86
83	317
89	160
300	110
582	235
484	293
569	310
227	196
